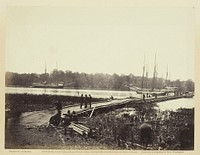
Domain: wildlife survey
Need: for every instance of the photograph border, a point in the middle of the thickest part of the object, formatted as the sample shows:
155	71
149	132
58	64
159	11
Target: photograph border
104	3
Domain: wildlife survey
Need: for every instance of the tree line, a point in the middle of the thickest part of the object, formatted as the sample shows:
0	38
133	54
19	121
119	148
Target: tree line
78	80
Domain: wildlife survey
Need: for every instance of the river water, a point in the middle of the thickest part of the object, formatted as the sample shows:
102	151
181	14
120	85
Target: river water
72	92
166	105
175	104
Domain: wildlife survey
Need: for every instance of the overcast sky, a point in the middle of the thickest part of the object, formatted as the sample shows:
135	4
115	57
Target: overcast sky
100	40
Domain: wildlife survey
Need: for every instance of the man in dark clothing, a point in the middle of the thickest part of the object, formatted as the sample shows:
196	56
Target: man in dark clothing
74	117
86	101
55	120
81	101
58	106
67	122
90	100
143	97
69	115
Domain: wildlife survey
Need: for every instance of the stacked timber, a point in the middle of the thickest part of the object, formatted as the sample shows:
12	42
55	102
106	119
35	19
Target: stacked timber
81	129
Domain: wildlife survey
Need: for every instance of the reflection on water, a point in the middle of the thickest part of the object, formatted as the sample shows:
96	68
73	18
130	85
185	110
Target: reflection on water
175	104
72	92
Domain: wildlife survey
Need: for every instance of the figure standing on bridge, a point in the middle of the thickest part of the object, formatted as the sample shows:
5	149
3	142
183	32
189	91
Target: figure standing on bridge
86	100
111	97
81	101
143	97
90	100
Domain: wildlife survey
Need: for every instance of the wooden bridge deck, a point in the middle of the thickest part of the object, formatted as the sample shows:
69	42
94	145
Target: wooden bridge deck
38	118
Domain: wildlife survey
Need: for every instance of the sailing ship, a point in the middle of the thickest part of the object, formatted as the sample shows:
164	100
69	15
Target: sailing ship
152	91
45	84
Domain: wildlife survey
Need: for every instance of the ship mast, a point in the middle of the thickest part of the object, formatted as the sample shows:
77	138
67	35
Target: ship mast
147	73
143	73
154	74
167	76
56	72
45	72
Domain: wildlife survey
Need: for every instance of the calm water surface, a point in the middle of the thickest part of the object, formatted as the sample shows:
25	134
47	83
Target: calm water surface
175	104
166	105
72	92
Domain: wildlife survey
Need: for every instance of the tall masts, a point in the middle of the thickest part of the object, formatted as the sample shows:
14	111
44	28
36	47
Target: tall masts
154	85
45	73
56	65
45	70
147	74
167	74
143	73
154	74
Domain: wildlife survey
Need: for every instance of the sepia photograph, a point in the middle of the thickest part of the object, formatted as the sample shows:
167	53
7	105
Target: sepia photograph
99	77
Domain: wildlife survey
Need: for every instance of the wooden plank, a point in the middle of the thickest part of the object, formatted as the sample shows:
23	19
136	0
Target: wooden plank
92	112
77	129
82	127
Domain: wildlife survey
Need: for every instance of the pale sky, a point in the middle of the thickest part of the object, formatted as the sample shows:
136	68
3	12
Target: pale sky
100	40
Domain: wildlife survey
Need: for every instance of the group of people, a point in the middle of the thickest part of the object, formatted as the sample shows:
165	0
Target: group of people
57	119
85	100
70	117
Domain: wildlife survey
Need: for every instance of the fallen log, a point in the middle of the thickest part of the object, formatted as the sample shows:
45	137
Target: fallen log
92	112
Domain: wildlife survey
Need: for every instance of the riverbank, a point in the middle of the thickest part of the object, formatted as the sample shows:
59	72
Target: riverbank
167	126
29	102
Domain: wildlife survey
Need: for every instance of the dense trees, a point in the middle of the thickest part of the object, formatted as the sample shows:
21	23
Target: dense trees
92	81
189	84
